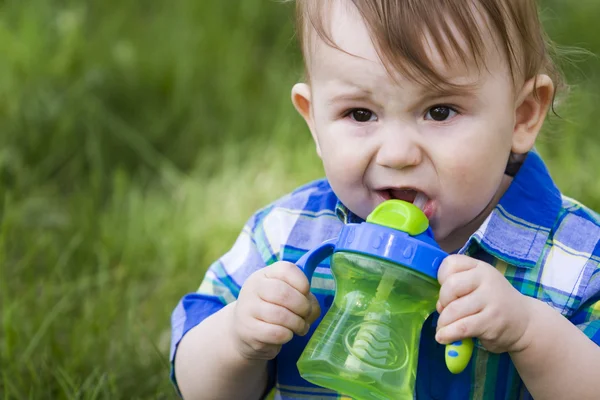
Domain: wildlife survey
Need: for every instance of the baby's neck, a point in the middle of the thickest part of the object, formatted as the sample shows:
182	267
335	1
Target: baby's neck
457	239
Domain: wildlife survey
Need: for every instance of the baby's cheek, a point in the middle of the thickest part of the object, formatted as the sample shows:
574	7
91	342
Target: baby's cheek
470	189
343	164
346	184
475	173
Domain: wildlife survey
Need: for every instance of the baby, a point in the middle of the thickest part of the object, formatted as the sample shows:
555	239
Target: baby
437	99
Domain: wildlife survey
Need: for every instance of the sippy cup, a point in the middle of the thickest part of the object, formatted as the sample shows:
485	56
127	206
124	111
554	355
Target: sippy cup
385	270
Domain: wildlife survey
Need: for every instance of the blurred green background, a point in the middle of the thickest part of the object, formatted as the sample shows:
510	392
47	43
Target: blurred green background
136	137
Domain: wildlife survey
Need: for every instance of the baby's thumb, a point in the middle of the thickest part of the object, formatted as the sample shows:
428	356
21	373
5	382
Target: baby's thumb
315	309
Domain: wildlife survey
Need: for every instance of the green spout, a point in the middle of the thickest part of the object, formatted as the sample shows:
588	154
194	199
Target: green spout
400	215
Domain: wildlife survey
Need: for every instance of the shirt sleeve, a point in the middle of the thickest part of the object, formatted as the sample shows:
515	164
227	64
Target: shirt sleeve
587	317
222	283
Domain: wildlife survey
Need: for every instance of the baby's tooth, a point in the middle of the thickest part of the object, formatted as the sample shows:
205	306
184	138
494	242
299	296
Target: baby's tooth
420	200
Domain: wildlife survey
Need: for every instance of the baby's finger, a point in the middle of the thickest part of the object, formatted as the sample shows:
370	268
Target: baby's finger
278	315
458	309
279	292
289	273
267	334
456	286
454	264
468	327
315	309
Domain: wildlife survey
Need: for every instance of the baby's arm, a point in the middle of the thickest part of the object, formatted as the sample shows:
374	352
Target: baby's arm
558	361
207	365
225	356
555	359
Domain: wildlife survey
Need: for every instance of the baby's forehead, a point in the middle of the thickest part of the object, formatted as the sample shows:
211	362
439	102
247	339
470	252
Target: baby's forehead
435	51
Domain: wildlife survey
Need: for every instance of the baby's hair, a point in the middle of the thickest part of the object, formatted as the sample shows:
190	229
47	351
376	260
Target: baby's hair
398	27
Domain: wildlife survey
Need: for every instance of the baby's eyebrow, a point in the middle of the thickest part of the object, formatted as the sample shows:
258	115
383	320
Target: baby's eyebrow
350	96
450	89
348	90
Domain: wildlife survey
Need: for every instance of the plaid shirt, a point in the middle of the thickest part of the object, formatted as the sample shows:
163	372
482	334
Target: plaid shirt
544	243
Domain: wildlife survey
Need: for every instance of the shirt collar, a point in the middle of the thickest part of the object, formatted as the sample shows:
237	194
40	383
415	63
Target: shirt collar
518	227
345	215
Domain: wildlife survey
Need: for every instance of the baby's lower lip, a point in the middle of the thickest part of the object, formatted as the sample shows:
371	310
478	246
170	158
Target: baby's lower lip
429	209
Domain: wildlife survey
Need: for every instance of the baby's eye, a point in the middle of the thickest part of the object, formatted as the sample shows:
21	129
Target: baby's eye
361	115
440	113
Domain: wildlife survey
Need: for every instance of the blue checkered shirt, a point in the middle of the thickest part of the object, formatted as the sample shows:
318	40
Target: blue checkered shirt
544	243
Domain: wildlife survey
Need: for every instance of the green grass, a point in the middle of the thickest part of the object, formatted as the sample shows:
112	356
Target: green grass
136	138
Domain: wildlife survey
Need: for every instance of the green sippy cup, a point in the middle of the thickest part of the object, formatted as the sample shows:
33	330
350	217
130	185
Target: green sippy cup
385	270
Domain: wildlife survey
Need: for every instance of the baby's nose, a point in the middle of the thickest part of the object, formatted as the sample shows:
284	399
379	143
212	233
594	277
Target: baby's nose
399	150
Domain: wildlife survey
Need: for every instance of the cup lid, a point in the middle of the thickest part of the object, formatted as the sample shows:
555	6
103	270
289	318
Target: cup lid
396	231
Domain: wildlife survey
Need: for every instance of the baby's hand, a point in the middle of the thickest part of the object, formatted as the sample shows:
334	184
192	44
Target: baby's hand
274	303
476	300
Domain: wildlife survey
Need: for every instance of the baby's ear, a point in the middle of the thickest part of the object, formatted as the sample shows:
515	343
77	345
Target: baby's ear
302	102
531	108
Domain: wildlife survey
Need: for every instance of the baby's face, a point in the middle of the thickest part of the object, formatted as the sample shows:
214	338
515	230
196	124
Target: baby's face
382	138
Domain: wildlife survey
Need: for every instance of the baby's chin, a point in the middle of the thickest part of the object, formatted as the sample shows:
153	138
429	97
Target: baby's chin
447	242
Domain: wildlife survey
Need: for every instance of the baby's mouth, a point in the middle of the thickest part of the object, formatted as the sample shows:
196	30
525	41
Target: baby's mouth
408	195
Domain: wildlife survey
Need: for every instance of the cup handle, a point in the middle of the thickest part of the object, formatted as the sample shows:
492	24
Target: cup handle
309	261
458	355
